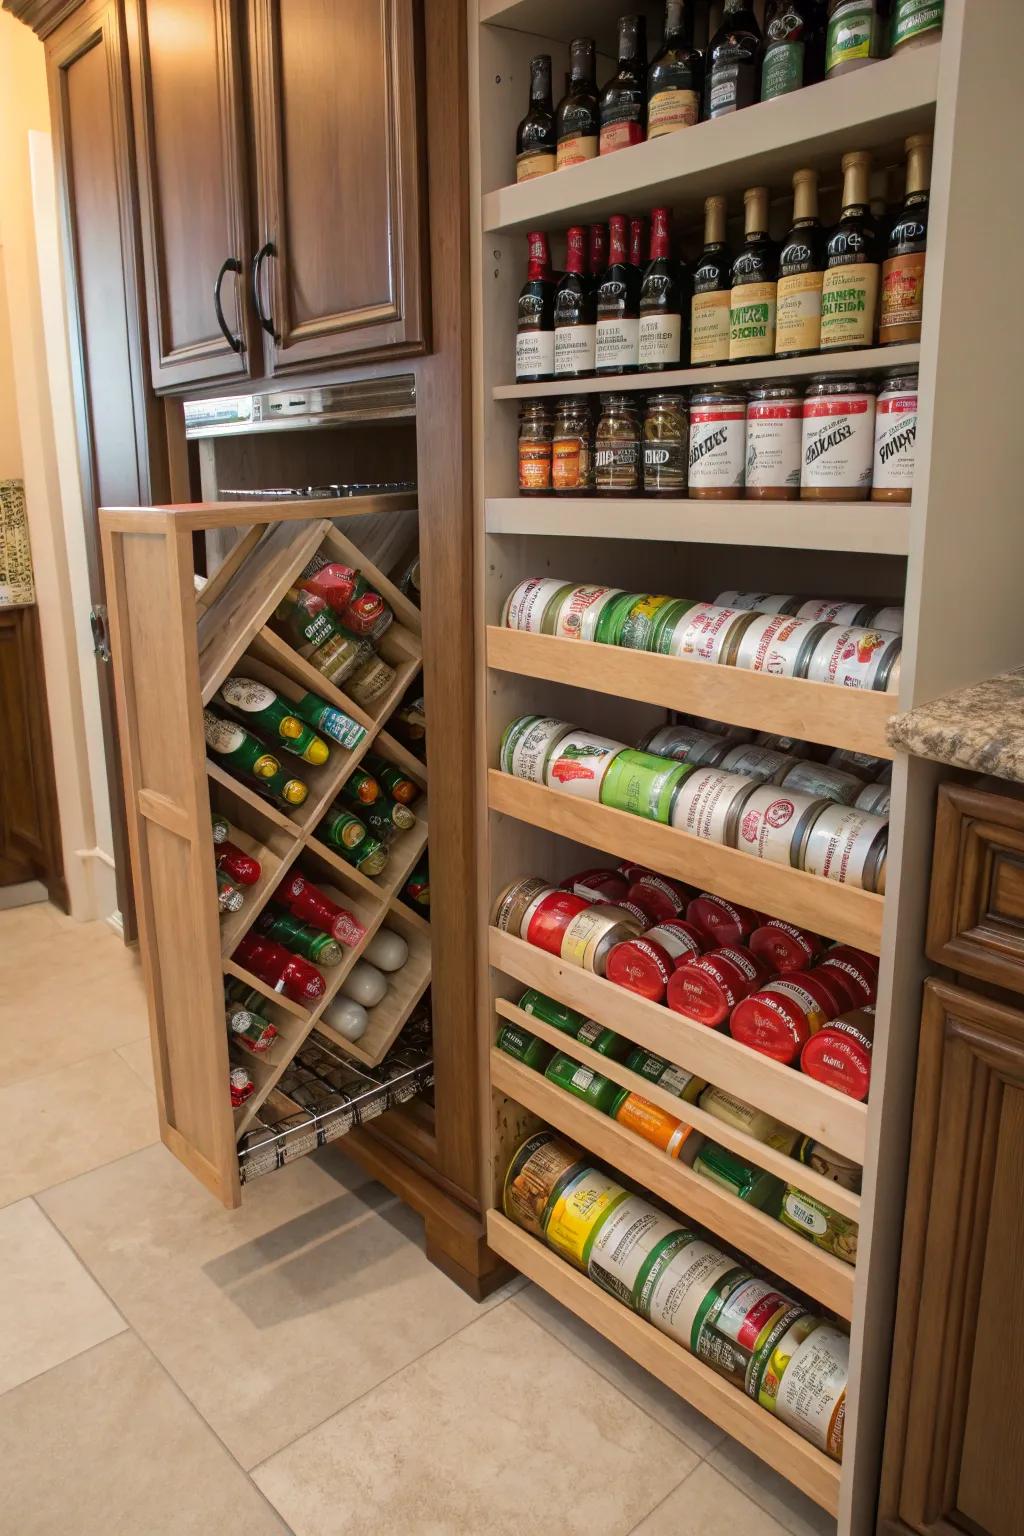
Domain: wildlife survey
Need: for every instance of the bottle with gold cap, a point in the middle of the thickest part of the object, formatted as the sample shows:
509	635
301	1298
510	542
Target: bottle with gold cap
754	282
801	263
903	268
849	289
261	707
246	754
709	307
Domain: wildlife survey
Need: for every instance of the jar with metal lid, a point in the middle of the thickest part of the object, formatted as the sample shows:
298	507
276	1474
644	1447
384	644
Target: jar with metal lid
666	444
718	441
895	437
855	35
535	436
617	447
774	430
914	23
572	459
838	438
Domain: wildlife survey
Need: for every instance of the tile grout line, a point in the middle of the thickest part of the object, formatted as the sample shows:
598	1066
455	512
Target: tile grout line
671	1493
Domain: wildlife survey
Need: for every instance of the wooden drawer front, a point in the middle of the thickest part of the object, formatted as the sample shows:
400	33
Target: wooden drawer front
976	919
953	1457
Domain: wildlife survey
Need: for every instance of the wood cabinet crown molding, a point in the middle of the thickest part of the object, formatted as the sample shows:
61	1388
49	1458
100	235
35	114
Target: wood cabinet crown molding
43	16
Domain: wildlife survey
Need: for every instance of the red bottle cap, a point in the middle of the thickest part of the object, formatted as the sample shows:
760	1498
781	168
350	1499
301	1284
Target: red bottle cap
575	249
784	947
539	264
721	920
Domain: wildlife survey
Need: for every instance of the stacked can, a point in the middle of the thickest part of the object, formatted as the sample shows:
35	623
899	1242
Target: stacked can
577	931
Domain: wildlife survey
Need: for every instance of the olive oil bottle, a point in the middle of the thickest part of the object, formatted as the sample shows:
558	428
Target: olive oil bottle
801	260
849	289
709	307
754	288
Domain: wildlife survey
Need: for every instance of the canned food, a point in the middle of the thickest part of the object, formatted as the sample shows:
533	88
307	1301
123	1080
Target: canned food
628	1241
575	616
525	1047
527	743
644	965
707	633
830	611
634	620
832	1165
892	476
853	971
709	987
637	1114
580	1028
598	884
838	439
541	1168
759	602
875	798
527	604
686	744
609	620
604	1041
890	618
746	1117
665	1074
734	734
682	1284
546	920
718	441
516	900
709	804
578	1211
773	1367
778	644
776	823
857	658
791	744
774	434
772	1313
810	1395
827	783
815	1220
579	762
784	947
642	784
741	1179
840	1054
659	896
866	767
847	846
591	935
723	922
666	623
763	764
586	1084
780	1018
640	915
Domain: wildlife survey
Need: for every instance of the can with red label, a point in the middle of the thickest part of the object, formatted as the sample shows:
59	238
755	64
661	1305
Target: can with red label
857	658
577	766
516	900
528	742
723	922
847	846
574	615
545	922
778	644
597	884
783	947
706	633
854	971
775	823
709	804
840	1054
828	783
659	896
686	744
645	964
779	1018
708	988
764	764
527	604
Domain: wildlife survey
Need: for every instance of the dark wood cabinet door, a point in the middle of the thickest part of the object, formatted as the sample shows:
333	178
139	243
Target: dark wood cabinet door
954	1452
29	829
186	71
337	133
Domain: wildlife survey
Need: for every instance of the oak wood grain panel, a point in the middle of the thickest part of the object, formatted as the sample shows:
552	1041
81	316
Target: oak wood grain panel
976	916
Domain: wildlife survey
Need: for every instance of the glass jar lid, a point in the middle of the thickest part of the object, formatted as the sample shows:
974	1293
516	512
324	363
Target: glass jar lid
840	384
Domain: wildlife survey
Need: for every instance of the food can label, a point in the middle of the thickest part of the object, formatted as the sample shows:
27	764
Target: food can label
748	1311
851	32
618	343
823	612
838	441
672	109
513	904
774	432
545	923
811	1395
761	763
574	349
626	1244
827	783
769	821
527	752
849	301
703	634
752	321
677	1291
579	764
895	437
542	1166
798	313
578	1213
535	353
912	18
807	1003
576	617
840	843
642	784
582	939
775	643
704	802
718	446
574	149
850	658
709	327
659	340
527	603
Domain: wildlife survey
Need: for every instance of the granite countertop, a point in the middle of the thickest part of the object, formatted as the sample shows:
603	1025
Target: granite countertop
980	727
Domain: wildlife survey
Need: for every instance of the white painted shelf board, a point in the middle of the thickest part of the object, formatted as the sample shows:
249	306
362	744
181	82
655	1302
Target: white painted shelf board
866	360
878	528
559	20
871	108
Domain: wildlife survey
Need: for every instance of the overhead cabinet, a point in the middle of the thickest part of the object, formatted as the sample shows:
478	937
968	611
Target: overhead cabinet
327	268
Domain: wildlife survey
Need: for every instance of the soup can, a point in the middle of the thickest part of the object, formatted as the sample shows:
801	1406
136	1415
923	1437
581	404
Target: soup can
745	1117
761	763
821	780
591	935
649	1121
668	621
778	644
527	605
582	1082
722	922
709	987
640	915
665	1074
832	1165
627	1244
840	1054
875	798
682	1284
783	947
809	1393
659	896
529	1049
759	602
575	615
645	964
516	900
847	846
750	1321
642	784
707	633
709	804
857	658
733	734
527	743
604	1041
744	1180
791	744
853	970
686	744
866	768
547	918
579	763
889	618
578	1211
609	621
778	1019
820	1224
597	884
776	823
824	610
538	1173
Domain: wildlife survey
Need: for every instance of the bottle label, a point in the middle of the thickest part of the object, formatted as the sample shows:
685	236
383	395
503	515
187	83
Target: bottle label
570	463
902	297
783	70
718	442
849	299
724	90
709	327
574	349
533	163
895	436
838	440
245	693
659	339
534	466
798	315
535	353
851	33
912	18
620	136
575	148
222	735
774	429
618	343
752	321
672	109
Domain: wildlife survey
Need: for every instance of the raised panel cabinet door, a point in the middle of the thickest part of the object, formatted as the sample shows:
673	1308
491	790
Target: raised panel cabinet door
186	71
29	828
339	274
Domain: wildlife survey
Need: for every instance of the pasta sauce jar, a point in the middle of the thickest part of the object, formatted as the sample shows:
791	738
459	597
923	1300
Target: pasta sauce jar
838	438
718	441
572	463
774	430
892	477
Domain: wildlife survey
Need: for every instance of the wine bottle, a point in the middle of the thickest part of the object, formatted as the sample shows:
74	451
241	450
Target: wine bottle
794	47
733	61
754	279
903	268
623	114
712	287
618	306
849	289
577	118
277	967
535	317
675	77
246	755
575	313
311	905
801	264
332	722
310	943
237	865
535	136
597	257
661	300
263	708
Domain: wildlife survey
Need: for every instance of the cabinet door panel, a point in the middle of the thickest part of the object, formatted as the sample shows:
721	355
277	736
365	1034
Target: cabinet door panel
186	84
335	86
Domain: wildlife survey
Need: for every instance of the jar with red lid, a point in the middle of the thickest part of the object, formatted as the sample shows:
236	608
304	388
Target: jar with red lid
839	1055
778	1019
708	988
645	965
723	922
784	947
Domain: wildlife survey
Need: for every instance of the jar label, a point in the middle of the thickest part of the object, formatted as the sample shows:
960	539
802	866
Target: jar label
709	327
752	321
895	436
838	442
849	299
534	466
671	109
798	316
783	69
574	349
718	443
535	353
911	18
534	163
575	148
570	463
850	33
620	135
774	432
618	343
902	295
659	339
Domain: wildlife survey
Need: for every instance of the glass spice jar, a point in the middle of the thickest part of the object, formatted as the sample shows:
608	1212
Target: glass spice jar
666	444
535	439
617	447
572	458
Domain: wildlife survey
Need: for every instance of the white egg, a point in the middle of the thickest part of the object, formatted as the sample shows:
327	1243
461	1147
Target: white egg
365	984
347	1017
388	950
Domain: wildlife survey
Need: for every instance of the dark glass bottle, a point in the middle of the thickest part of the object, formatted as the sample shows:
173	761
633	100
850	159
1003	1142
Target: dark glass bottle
618	305
794	46
535	320
662	300
675	77
597	261
754	279
849	289
576	120
575	312
903	268
801	263
535	136
623	107
638	247
733	61
712	283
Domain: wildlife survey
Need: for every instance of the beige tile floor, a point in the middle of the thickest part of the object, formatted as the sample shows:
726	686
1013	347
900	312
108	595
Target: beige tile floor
168	1368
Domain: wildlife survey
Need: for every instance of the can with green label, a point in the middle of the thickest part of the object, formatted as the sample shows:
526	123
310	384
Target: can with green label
643	784
655	1069
525	1047
597	1091
750	1184
610	619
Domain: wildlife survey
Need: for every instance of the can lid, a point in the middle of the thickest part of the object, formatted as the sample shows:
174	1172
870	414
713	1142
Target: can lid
838	1061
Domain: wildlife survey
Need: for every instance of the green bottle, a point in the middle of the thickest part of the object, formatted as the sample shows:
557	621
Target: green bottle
362	787
384	817
262	707
302	940
310	625
332	722
229	897
398	784
356	845
248	756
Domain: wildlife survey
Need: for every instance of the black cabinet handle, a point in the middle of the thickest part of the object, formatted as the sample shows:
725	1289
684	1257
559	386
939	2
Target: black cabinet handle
257	299
229	264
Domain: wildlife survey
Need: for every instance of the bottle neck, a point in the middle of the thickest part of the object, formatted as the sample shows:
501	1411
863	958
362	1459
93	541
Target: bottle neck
598	249
755	222
675	27
618	247
661	236
805	201
539	264
856	198
574	251
918	172
632	43
540	84
636	242
582	63
714	223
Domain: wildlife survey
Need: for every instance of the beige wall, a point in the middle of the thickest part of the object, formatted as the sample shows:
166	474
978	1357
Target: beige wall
10	440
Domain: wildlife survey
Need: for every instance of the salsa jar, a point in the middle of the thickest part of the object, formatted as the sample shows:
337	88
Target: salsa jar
892	477
572	457
536	431
617	447
666	444
718	441
837	439
774	432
